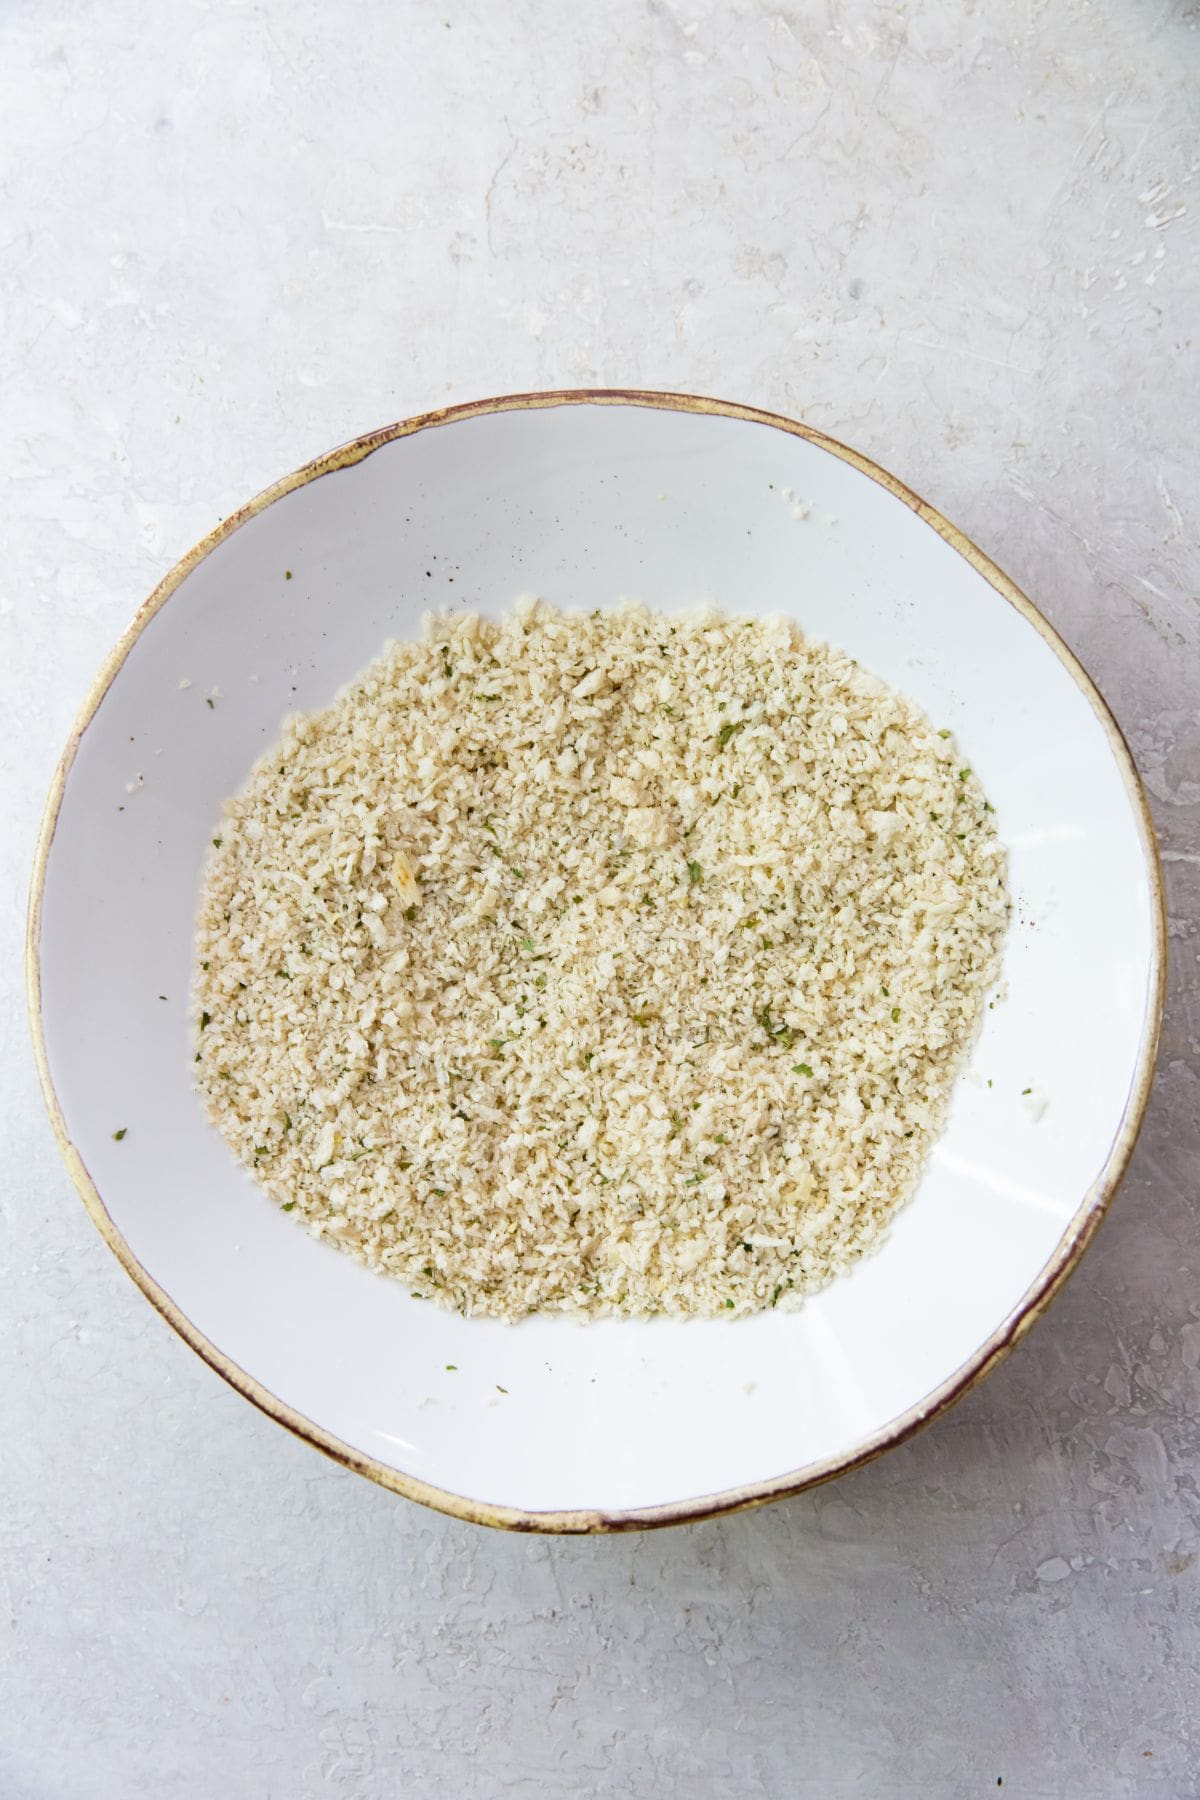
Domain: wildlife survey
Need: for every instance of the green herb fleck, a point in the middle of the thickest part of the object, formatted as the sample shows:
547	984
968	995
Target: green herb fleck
205	1021
527	944
776	1294
410	913
217	842
210	703
727	730
729	1304
500	1390
695	874
782	1034
895	1015
1026	1091
452	1368
287	574
943	733
963	773
118	1135
801	1069
289	1206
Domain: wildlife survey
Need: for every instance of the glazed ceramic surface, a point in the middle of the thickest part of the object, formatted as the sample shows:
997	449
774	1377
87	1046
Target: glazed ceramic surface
583	499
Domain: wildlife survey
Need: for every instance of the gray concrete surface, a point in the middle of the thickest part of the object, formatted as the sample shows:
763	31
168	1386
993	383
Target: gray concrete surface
963	237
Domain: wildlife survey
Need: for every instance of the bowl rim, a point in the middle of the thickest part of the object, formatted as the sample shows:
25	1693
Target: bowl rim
1078	1232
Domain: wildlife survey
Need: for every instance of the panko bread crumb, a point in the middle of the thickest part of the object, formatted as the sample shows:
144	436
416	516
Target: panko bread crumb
618	962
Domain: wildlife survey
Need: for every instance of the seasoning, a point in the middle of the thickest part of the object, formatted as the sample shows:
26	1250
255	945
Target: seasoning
384	979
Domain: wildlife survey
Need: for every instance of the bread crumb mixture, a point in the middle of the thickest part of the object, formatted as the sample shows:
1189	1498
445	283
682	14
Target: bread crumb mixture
615	962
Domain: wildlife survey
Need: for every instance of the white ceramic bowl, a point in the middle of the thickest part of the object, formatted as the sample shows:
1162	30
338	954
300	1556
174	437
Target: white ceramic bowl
583	497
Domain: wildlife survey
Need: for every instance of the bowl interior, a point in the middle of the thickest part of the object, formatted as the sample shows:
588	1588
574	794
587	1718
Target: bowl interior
584	503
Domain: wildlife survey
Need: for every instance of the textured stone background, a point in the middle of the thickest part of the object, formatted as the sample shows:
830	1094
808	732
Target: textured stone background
960	234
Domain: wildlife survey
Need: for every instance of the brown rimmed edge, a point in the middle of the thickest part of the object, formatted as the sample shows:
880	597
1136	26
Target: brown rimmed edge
1038	1296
